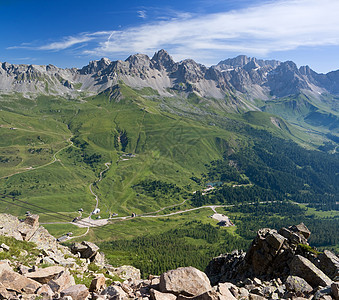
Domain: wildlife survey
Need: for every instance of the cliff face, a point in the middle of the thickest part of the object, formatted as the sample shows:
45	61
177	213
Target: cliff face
278	265
244	75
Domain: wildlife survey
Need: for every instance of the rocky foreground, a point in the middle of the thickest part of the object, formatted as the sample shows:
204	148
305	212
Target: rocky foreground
278	265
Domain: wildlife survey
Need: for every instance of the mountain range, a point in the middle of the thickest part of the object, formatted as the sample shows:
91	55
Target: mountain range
239	84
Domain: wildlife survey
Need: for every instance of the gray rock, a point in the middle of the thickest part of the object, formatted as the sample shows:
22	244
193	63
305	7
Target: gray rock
47	274
125	272
329	263
298	285
302	229
187	281
17	282
77	292
263	251
116	292
87	250
156	295
302	267
32	220
45	292
320	294
335	290
225	289
98	283
62	282
256	297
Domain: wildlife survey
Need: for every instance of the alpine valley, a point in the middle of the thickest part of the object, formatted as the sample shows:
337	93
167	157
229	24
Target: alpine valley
135	155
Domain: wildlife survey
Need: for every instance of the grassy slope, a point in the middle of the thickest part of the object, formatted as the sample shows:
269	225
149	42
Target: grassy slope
168	147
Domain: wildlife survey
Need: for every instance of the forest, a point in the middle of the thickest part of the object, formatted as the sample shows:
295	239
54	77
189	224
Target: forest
277	170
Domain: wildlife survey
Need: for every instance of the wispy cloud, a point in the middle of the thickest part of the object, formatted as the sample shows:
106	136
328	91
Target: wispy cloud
66	42
257	30
273	26
142	14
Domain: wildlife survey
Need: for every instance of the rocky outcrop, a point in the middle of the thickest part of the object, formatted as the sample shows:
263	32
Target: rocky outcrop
301	266
298	285
86	250
278	265
285	263
28	277
186	281
329	263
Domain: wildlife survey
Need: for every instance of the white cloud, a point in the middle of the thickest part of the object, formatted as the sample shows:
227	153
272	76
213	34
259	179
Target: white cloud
274	26
258	30
66	43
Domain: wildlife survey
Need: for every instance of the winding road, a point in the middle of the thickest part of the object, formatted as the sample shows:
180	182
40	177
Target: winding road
91	185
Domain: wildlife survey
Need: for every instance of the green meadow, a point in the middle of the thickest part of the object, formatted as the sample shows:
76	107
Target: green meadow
160	151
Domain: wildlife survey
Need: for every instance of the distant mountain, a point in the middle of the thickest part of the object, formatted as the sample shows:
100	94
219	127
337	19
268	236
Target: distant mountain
243	74
243	79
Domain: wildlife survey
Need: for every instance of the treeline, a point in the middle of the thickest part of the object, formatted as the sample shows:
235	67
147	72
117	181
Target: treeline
324	232
158	253
236	195
280	169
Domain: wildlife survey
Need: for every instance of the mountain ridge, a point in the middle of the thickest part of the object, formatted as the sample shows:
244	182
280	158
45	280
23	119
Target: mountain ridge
240	73
234	85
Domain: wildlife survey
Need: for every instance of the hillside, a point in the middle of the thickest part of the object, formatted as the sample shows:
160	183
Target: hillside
134	146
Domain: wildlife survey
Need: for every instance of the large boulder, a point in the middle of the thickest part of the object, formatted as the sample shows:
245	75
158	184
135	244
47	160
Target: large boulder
224	289
4	266
18	283
302	267
335	290
156	295
77	292
124	272
45	275
187	281
32	220
98	283
45	292
63	281
44	240
114	292
86	250
9	226
264	250
329	264
301	229
298	285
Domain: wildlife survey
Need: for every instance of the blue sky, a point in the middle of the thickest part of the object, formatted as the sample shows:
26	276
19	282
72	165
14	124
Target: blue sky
71	33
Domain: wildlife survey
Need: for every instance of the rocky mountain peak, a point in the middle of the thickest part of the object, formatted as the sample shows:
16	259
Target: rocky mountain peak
189	70
162	59
95	66
239	61
251	65
138	60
